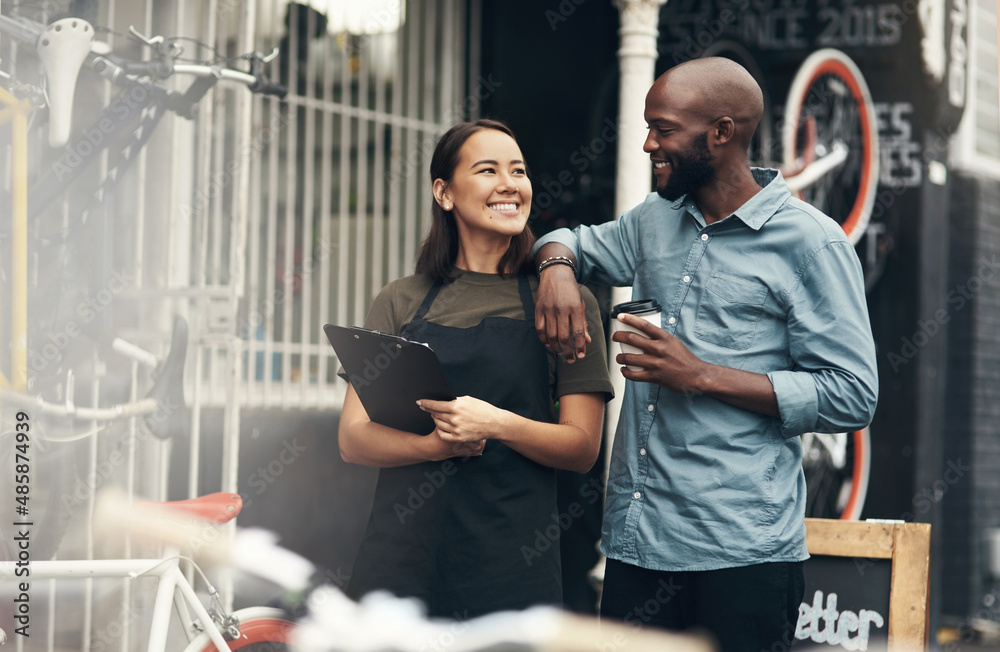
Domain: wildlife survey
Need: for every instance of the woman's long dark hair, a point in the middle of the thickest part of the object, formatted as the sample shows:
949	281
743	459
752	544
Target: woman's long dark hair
440	248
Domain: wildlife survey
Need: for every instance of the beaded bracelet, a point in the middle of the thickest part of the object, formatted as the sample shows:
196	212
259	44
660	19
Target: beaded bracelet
556	260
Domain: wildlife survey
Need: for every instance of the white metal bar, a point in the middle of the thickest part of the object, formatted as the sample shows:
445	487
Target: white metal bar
139	214
378	174
410	211
242	188
290	203
50	624
144	406
365	260
247	330
307	215
160	623
326	176
350	111
818	168
184	615
88	591
217	97
344	271
88	569
449	61
130	457
206	291
163	470
202	211
138	354
203	163
475	53
231	429
395	167
431	69
199	610
268	307
194	450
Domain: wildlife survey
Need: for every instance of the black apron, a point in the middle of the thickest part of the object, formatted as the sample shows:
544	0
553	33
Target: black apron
469	536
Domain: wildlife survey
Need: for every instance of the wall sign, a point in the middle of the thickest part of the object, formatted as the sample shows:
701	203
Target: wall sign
866	583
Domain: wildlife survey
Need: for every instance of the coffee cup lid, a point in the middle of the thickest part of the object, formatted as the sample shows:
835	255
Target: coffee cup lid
640	307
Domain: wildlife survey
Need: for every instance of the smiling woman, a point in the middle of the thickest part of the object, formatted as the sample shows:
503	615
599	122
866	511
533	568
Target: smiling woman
454	510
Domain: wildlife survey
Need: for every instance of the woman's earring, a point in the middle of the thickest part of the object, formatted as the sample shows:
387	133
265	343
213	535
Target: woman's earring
447	207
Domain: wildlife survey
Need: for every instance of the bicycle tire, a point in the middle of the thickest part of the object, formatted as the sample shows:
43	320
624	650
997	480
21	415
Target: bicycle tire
837	489
54	500
262	629
849	192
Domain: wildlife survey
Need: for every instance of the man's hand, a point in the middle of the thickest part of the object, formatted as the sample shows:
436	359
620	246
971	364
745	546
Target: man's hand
667	362
560	313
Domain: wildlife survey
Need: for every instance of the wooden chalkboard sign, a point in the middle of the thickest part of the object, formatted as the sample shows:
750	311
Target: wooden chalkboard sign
867	583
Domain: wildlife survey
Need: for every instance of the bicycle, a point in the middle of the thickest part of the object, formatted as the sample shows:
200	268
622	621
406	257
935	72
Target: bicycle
127	122
63	49
205	629
55	471
316	616
120	131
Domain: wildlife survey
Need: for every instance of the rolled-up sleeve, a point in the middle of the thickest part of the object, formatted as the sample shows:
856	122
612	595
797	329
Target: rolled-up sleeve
832	385
605	253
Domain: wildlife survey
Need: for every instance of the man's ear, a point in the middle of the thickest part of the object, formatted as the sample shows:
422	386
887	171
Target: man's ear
725	130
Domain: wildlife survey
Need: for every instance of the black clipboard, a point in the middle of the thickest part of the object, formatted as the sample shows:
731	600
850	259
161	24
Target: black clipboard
389	374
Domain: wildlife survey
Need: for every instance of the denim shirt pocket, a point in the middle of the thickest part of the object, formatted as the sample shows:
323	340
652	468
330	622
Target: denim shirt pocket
729	311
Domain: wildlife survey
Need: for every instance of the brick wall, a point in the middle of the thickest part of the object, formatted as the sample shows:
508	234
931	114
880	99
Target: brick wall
971	502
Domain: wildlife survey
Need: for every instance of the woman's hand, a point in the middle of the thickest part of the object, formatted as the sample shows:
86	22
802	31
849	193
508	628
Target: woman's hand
466	419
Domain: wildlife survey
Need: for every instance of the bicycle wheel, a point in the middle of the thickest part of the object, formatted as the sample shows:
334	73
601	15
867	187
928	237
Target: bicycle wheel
262	629
837	469
830	89
56	478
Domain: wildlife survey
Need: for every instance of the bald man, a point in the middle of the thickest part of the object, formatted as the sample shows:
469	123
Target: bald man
765	336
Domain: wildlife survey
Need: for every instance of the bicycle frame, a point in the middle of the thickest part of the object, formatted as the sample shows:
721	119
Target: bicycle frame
813	172
172	586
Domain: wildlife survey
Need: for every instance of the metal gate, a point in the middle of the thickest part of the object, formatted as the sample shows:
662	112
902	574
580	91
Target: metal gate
257	220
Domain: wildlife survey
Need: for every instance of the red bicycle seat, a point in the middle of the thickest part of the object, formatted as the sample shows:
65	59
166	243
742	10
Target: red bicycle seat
219	508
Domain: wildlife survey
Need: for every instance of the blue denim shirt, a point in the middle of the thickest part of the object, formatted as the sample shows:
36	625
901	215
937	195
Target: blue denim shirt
776	289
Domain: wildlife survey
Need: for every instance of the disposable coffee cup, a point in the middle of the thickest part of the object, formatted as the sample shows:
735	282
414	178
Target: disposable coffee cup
648	309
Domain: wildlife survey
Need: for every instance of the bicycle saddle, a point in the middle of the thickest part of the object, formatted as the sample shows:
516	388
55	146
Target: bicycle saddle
62	49
218	508
171	416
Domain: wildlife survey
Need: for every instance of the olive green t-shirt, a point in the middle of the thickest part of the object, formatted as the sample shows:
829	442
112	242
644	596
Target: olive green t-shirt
472	297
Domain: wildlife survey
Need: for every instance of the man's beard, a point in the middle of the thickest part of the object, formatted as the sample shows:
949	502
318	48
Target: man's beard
689	172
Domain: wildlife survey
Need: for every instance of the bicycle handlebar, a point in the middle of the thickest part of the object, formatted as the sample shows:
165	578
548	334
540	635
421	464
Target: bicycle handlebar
121	411
165	398
117	68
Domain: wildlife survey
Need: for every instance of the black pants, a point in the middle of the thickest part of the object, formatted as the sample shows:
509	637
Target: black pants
747	609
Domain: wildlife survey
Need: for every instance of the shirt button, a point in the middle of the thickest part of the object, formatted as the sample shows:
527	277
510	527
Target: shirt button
637	495
704	237
650	407
672	320
642	451
686	279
